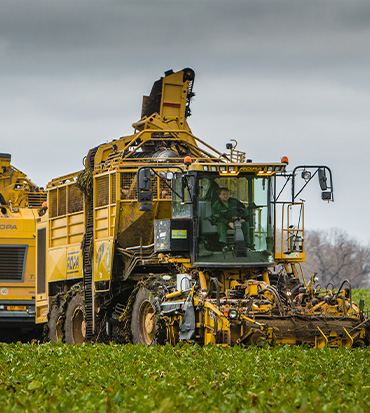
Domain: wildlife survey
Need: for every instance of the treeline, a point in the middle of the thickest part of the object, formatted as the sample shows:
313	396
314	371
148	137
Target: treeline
335	256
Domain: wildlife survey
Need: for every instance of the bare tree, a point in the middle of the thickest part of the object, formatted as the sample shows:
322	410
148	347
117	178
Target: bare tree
334	256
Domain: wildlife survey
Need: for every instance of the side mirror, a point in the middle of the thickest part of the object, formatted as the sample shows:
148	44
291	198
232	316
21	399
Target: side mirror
323	179
326	196
145	206
144	194
144	180
145	201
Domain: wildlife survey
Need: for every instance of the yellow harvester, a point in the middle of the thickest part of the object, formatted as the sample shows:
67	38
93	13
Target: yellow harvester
137	246
21	202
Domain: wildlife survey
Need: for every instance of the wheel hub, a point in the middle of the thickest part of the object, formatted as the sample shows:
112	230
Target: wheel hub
147	322
78	326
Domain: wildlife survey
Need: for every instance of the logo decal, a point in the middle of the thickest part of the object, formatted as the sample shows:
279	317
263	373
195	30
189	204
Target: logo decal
8	227
108	259
99	254
73	262
179	234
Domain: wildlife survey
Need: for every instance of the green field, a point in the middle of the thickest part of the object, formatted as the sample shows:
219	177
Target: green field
127	378
358	294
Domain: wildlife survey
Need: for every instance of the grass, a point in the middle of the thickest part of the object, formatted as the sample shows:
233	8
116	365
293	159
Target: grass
126	378
359	294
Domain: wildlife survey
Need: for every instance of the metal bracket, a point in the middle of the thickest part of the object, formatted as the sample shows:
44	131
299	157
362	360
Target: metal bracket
350	341
321	342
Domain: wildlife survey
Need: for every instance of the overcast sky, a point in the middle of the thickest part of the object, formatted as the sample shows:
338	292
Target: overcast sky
282	77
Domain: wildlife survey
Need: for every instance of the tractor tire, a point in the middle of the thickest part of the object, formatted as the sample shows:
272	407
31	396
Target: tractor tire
143	319
55	324
75	321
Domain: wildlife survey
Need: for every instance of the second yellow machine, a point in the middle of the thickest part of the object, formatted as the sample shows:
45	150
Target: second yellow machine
21	204
162	238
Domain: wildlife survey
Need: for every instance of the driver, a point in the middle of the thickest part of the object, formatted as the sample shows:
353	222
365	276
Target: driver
225	211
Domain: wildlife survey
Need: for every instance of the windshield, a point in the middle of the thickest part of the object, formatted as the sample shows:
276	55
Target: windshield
182	186
235	219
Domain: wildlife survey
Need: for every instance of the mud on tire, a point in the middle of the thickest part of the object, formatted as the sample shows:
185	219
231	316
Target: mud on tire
75	321
55	324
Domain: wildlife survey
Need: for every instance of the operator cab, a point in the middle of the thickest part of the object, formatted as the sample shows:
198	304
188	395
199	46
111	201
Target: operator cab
232	216
220	217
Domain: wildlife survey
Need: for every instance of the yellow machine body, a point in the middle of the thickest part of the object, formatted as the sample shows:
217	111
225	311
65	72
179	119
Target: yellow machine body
128	249
21	202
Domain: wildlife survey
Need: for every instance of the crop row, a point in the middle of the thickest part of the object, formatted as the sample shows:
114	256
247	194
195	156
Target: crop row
126	378
106	378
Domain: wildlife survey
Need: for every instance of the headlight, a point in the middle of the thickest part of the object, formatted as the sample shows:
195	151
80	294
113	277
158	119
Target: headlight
233	314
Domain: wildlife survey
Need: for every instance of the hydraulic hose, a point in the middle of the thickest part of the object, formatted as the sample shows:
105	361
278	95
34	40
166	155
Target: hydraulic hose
350	292
332	285
273	291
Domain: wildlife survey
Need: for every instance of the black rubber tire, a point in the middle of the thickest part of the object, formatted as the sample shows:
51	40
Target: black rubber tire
75	321
143	318
55	324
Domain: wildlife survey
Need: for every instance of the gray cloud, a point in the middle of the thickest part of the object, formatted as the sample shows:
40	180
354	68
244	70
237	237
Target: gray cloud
282	77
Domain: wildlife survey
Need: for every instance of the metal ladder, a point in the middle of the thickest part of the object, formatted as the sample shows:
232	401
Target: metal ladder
88	258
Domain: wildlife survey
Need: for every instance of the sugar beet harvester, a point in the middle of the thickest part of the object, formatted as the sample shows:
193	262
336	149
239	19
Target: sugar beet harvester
21	204
162	238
